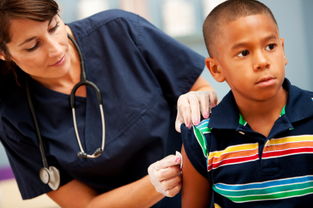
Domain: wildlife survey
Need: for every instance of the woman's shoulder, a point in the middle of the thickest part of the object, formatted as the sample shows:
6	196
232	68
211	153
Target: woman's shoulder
112	14
13	105
91	23
8	85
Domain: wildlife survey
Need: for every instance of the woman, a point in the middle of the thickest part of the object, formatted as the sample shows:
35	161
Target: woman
139	71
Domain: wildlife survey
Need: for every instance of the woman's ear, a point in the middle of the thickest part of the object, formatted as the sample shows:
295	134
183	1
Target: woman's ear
215	69
2	56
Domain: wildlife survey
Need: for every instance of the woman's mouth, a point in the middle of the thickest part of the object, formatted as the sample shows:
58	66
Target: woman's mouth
59	62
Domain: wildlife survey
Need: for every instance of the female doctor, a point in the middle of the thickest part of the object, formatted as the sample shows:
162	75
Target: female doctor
87	107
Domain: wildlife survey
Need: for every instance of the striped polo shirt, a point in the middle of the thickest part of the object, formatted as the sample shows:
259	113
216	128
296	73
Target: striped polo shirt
247	169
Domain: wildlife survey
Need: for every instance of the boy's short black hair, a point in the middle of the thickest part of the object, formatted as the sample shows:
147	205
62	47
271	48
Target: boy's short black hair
228	11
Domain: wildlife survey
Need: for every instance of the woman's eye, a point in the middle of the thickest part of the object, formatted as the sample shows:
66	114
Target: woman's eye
33	48
54	28
243	53
270	47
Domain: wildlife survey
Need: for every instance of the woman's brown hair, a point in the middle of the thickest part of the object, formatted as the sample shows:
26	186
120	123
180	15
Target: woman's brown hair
37	10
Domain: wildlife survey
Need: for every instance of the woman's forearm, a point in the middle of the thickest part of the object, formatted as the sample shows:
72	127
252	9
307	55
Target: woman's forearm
140	193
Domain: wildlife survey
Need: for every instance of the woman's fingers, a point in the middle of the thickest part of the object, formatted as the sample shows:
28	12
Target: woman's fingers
165	175
192	105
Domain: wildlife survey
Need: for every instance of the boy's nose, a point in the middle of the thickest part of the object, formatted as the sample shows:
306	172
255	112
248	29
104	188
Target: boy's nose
260	62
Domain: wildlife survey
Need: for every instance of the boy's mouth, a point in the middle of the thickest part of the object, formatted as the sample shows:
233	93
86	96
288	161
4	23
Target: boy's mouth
265	81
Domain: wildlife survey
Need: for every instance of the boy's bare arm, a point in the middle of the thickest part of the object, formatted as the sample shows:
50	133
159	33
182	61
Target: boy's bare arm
196	189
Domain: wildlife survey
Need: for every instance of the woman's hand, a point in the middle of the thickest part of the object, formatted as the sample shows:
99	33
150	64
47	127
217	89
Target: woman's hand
192	105
165	175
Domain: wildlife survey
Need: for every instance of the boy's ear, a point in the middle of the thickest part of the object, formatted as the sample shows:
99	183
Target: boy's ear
215	69
283	45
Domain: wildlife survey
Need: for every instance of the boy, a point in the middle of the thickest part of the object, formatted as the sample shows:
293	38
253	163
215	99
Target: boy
256	149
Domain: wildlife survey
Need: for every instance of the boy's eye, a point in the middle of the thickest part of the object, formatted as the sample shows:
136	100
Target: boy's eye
270	47
243	53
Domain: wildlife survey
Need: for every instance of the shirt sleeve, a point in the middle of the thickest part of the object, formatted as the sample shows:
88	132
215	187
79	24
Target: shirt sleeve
194	151
175	65
21	153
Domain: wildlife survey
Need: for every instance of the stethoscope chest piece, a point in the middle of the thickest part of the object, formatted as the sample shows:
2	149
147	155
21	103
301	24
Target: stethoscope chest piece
50	176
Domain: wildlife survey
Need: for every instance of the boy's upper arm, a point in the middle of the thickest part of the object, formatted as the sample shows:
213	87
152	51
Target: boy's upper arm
196	188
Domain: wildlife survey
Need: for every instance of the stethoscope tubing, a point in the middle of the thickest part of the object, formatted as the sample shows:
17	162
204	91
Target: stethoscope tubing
49	174
98	151
37	129
84	81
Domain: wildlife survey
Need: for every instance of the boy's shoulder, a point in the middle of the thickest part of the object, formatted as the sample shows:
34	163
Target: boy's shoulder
203	127
199	132
299	104
196	137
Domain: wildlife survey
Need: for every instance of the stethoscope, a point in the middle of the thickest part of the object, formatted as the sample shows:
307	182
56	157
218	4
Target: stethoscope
49	174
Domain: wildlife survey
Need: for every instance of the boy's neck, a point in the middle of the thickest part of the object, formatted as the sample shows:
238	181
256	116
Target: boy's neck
261	116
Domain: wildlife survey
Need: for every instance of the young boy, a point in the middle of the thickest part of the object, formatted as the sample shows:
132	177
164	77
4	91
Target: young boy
256	149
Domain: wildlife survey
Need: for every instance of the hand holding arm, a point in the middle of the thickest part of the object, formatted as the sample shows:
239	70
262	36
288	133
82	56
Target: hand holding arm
196	102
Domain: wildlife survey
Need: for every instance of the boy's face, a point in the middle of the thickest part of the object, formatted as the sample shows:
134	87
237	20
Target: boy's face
249	56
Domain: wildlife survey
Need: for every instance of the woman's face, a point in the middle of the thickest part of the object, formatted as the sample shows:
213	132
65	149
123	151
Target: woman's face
41	49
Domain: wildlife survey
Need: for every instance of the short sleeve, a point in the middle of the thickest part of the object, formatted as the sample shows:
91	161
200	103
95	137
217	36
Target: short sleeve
194	150
175	65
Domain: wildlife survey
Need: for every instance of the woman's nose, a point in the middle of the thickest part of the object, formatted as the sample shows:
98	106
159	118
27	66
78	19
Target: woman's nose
54	48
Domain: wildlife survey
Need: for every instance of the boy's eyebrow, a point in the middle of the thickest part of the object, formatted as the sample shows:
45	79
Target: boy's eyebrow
243	44
32	38
238	45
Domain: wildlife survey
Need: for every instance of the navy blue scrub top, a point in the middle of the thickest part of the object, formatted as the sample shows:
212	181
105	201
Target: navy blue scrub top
140	71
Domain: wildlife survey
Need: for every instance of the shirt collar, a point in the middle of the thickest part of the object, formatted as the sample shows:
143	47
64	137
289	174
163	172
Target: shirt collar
299	106
299	103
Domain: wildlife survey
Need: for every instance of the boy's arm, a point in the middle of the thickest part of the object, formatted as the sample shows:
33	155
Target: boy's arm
196	190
